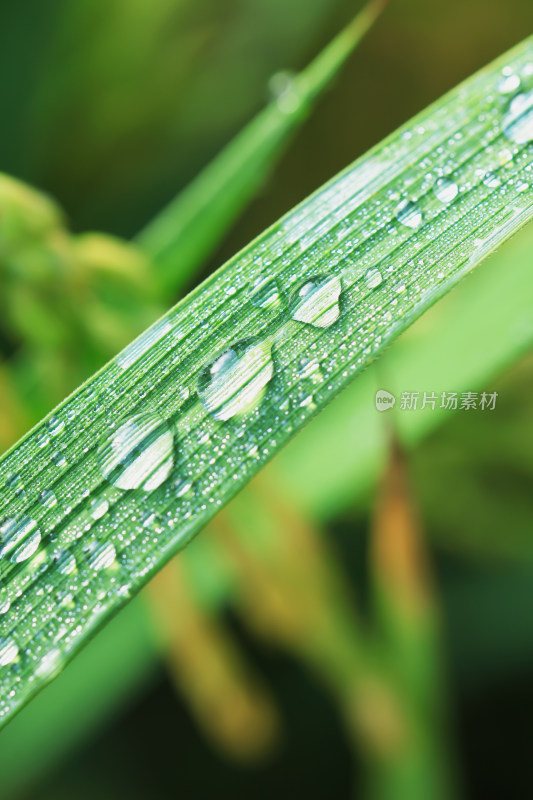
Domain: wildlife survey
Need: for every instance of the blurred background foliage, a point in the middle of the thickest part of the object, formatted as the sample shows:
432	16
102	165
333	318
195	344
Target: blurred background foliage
359	619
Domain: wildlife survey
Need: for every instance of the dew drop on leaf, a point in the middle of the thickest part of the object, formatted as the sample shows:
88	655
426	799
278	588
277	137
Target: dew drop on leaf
518	122
508	83
183	487
491	180
373	278
264	293
5	602
8	652
67	564
59	459
48	498
316	302
103	556
49	665
445	190
55	426
408	214
98	508
139	454
42	439
13	480
19	538
308	367
235	381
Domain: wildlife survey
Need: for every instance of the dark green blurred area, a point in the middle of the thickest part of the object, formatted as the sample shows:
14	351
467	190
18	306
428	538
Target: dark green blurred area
112	107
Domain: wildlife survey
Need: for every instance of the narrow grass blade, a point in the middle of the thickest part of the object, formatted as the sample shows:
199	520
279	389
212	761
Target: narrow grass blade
188	230
103	492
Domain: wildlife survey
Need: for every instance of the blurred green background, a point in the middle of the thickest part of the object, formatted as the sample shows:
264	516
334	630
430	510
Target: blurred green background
294	647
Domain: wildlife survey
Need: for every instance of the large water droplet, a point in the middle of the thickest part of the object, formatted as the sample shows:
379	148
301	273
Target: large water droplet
509	82
67	564
103	556
518	122
139	454
235	381
373	278
445	190
308	367
98	508
48	498
19	538
13	480
409	214
55	426
491	180
5	602
183	487
42	439
49	665
8	652
59	459
317	301
264	293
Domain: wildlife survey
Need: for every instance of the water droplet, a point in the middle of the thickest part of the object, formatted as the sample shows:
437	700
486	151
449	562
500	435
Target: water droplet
508	83
48	498
8	652
282	88
445	190
59	459
5	602
98	508
49	665
42	439
148	519
55	426
408	214
251	450
134	351
518	122
184	393
183	487
307	401
317	301
67	564
399	287
20	537
235	381
13	480
308	367
103	556
264	293
373	278
491	180
139	454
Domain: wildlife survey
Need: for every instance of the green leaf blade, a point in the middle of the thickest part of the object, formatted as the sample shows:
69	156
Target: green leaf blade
281	363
